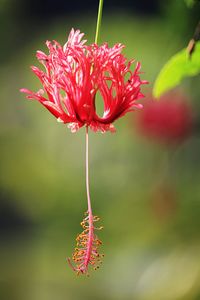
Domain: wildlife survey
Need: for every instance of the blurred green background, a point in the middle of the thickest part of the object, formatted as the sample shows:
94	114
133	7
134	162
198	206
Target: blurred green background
151	241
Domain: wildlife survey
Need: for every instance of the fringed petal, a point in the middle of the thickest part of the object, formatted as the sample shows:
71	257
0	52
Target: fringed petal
74	74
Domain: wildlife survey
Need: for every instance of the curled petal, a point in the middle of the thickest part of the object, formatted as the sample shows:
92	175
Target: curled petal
75	73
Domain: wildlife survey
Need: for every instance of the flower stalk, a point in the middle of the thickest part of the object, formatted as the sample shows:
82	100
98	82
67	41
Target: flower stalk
99	18
87	171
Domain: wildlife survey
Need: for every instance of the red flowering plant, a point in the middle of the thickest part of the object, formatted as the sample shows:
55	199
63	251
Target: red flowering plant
168	121
73	74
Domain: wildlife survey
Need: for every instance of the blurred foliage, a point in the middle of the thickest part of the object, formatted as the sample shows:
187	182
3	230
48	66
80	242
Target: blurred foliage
191	3
151	242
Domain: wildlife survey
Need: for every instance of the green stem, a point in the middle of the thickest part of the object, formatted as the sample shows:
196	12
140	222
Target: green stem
99	20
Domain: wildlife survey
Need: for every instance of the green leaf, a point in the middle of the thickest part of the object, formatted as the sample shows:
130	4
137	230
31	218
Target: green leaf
176	69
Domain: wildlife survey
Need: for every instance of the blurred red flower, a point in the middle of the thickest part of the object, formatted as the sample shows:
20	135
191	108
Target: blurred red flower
168	120
75	73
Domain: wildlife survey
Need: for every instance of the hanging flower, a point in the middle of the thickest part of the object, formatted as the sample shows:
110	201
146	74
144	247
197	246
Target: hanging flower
72	77
168	120
75	73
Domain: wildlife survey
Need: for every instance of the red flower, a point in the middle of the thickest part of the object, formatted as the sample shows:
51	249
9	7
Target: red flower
168	120
74	74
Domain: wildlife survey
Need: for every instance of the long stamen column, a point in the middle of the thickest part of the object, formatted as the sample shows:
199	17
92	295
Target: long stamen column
86	251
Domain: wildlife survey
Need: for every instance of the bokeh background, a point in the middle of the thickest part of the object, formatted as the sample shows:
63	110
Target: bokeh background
146	192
